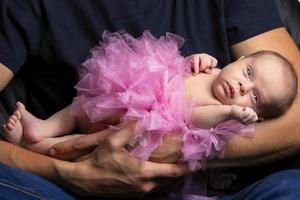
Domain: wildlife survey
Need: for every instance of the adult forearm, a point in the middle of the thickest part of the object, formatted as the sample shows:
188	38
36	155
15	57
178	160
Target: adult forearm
109	170
59	172
38	164
6	76
274	139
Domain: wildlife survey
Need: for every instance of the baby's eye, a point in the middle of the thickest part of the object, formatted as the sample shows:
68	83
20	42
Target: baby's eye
255	96
249	71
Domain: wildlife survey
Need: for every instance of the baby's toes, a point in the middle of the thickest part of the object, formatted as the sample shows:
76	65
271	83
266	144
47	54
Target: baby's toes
13	120
9	126
5	127
17	113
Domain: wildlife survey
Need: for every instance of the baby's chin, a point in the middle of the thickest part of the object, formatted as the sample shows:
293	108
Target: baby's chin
223	100
220	95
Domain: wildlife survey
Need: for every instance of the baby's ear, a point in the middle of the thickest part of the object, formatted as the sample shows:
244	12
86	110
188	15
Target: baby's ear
241	57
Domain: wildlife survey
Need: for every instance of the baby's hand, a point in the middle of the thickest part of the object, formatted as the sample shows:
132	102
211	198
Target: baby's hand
202	62
245	115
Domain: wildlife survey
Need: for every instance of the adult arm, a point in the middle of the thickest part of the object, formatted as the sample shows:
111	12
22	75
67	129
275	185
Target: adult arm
108	171
274	139
277	138
5	76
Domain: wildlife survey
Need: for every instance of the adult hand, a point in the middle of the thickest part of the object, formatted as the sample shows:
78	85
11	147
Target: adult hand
111	171
79	147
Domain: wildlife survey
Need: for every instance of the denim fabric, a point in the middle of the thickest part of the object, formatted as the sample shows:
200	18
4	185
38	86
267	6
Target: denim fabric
283	185
16	185
20	185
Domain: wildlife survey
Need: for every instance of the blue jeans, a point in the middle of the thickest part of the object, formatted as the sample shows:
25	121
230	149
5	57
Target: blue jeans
283	185
17	184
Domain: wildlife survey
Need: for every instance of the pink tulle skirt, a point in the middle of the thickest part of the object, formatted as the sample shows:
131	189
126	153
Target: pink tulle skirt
144	78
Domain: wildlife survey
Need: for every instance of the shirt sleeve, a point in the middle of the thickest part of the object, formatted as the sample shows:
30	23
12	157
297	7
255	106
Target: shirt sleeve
19	23
247	18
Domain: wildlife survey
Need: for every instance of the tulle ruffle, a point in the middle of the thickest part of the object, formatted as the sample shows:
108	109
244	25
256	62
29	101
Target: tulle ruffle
144	78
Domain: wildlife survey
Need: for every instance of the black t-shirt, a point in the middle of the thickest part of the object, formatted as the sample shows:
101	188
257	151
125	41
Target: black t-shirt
44	41
62	31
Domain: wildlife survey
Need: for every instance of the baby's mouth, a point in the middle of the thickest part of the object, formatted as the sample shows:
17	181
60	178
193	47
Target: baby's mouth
230	92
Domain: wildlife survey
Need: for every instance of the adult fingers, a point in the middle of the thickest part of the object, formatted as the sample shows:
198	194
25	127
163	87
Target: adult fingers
76	147
153	170
123	136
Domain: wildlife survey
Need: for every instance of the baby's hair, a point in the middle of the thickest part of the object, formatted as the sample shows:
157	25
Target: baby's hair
272	110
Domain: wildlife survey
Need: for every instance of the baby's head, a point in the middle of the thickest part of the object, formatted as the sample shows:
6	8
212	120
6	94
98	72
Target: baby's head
264	81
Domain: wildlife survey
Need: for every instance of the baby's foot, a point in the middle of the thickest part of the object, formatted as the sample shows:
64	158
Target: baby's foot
13	128
32	126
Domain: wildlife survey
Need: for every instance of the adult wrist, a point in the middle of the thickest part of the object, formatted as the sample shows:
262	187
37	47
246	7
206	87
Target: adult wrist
70	175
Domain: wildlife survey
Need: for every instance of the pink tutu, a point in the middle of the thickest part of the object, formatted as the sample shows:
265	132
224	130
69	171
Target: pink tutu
144	78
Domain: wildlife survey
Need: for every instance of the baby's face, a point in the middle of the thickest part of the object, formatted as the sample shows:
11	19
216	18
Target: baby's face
251	82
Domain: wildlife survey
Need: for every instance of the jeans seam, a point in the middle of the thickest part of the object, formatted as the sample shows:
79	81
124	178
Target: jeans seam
22	190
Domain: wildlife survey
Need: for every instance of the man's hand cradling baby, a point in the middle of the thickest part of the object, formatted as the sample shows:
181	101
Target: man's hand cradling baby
113	170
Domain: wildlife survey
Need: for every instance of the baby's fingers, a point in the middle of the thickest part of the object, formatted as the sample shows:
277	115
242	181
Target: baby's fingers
208	70
214	62
252	116
205	62
196	61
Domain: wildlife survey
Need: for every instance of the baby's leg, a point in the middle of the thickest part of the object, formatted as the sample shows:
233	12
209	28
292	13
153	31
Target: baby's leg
35	129
83	124
13	130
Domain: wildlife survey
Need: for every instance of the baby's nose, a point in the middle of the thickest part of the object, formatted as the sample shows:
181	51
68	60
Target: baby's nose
245	87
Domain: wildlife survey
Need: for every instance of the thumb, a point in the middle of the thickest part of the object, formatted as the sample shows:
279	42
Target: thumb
123	136
78	146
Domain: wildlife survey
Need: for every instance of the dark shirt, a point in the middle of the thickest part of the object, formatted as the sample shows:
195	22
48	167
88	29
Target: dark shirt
62	31
44	41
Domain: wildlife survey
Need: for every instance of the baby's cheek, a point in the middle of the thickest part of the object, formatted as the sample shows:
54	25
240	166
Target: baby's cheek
244	101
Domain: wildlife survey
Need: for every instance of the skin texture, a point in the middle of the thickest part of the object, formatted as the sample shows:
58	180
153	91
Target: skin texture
6	76
268	144
251	82
248	78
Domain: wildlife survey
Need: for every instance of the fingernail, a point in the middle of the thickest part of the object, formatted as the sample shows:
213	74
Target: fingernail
52	152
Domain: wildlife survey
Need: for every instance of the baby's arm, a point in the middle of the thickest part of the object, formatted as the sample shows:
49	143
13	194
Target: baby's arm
211	115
